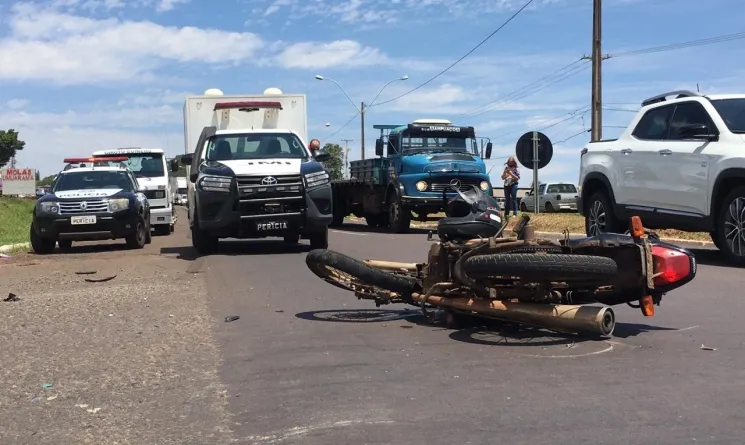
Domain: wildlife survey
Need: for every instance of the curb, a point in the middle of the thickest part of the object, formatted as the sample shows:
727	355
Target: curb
12	247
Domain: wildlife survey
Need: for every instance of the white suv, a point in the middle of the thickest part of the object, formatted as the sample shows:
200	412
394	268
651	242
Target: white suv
679	165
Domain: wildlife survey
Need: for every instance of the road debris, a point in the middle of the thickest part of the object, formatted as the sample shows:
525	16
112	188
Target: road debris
12	297
706	348
100	280
230	318
50	398
47	385
86	272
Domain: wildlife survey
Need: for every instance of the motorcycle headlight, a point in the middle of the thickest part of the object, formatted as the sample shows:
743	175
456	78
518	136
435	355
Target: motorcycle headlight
421	186
48	207
484	185
316	179
215	183
119	204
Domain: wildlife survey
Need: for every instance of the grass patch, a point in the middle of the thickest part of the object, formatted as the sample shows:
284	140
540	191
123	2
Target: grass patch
574	222
15	220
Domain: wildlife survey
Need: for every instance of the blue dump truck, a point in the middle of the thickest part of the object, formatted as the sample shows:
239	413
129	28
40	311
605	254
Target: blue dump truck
416	168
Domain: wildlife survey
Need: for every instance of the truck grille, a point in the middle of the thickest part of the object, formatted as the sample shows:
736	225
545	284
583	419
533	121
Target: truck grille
76	207
444	184
261	196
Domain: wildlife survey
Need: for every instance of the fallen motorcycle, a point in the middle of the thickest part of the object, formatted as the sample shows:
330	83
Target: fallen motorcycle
475	271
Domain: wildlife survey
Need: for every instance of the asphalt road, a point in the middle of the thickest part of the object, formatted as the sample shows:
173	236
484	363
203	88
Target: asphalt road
307	363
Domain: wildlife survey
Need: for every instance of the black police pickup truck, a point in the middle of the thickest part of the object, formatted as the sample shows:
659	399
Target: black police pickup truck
91	203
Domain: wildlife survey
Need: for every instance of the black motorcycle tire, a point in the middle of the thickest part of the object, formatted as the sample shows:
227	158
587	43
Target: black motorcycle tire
318	259
541	267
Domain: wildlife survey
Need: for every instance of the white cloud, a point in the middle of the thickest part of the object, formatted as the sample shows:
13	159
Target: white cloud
68	49
320	55
168	5
16	104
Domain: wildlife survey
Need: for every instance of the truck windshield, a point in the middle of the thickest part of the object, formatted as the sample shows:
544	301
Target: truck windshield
93	180
255	146
418	144
146	165
732	112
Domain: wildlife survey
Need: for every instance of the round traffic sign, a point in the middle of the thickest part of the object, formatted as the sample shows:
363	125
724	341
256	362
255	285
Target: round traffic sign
524	150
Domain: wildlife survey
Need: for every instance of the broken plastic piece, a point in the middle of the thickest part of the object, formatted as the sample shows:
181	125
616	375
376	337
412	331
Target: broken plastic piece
100	280
12	297
230	318
706	348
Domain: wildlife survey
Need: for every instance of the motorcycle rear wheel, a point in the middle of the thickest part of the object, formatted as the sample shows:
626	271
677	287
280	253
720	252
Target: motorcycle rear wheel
326	265
541	267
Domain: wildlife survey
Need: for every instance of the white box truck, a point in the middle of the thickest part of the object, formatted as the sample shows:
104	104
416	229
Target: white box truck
250	172
150	168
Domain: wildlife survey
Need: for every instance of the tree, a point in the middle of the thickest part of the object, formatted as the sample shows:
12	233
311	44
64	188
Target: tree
335	165
9	145
46	180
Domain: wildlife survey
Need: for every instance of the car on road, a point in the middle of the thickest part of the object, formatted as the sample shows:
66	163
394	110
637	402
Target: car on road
552	197
680	164
91	203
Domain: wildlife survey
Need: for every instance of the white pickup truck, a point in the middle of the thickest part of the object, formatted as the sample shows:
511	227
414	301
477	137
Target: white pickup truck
680	164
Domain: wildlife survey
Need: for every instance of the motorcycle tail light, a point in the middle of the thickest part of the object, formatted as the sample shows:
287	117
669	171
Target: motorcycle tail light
671	265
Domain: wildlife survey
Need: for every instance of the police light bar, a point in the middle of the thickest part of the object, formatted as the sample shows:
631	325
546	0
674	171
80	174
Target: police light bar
96	159
247	106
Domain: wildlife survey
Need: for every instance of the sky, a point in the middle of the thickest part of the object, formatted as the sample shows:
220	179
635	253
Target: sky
84	75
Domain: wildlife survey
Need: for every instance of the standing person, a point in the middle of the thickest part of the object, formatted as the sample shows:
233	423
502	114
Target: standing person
314	146
511	176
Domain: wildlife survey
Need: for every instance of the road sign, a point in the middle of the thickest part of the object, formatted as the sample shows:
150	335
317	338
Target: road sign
525	153
18	181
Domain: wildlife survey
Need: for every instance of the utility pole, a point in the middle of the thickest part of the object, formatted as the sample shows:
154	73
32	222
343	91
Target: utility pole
362	121
597	72
346	154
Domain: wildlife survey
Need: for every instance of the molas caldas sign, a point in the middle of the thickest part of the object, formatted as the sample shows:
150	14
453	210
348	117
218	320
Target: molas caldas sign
18	181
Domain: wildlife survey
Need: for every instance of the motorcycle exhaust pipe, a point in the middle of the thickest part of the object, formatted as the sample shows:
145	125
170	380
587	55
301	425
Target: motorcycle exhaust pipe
576	319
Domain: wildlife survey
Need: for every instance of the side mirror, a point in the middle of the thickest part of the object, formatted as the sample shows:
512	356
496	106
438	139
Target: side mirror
696	131
488	151
322	156
187	159
378	147
175	165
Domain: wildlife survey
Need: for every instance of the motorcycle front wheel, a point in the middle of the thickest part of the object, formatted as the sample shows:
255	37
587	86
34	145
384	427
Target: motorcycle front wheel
344	272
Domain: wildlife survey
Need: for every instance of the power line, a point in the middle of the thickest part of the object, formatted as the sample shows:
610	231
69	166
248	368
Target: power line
572	114
620	109
461	59
688	44
519	90
572	137
343	126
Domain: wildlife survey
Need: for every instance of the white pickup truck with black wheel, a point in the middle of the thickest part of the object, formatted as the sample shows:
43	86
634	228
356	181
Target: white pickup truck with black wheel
679	165
251	174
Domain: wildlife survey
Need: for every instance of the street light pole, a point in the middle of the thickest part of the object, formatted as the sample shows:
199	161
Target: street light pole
361	110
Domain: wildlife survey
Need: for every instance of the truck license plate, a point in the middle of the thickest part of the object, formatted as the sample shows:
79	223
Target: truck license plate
274	225
81	220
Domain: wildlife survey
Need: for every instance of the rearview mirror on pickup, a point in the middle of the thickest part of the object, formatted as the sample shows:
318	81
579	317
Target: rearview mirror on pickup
175	165
322	156
187	159
697	131
489	147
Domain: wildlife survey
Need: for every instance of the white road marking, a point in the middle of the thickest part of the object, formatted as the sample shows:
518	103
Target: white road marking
300	431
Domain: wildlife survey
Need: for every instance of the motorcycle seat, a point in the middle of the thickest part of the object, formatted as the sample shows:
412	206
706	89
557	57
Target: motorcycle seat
481	225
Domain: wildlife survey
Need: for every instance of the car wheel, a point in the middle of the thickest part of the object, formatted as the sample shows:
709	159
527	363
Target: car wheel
523	207
40	246
731	226
204	243
65	244
549	208
293	238
599	216
320	240
138	239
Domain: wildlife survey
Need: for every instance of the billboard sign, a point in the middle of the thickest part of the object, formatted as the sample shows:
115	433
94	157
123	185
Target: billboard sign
18	181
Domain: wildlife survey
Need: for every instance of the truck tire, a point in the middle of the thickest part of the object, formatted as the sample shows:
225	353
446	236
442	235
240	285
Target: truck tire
320	240
730	217
541	267
379	220
399	216
200	240
138	239
599	216
40	246
320	261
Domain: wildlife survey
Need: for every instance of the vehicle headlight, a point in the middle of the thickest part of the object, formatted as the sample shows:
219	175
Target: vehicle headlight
49	207
119	204
484	185
421	186
316	179
215	183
